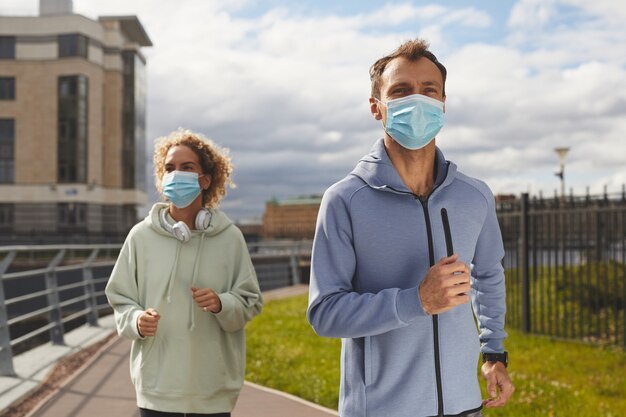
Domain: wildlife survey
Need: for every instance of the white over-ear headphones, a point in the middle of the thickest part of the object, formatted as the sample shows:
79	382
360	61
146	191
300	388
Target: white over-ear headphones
180	230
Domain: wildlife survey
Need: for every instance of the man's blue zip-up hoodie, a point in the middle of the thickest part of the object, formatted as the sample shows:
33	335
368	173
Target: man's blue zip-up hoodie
374	243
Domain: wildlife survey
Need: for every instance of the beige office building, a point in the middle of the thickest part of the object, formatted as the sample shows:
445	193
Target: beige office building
72	126
291	219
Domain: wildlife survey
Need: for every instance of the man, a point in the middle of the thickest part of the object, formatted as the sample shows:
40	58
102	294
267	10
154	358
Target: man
410	343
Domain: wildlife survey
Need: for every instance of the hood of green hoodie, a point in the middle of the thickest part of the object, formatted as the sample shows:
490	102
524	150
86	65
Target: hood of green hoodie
377	170
219	222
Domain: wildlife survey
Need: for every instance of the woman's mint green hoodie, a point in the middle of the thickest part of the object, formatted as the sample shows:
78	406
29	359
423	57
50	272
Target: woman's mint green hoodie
196	361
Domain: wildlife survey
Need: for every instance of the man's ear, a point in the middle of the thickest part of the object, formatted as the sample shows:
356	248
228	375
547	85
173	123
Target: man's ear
444	104
375	109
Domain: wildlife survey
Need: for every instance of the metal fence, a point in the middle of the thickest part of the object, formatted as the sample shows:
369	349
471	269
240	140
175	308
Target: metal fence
48	290
565	266
281	263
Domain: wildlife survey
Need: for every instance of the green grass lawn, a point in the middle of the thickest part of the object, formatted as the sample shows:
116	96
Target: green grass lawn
553	378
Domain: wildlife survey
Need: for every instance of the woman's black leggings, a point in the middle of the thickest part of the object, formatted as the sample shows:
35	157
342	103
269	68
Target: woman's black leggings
151	413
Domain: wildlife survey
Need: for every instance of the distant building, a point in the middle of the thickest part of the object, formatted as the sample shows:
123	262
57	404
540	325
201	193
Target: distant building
72	126
251	228
291	219
506	201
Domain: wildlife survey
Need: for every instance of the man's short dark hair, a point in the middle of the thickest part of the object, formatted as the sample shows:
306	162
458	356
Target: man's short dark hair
412	50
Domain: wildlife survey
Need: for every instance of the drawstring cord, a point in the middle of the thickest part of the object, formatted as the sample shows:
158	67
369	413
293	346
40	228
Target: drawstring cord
196	265
173	273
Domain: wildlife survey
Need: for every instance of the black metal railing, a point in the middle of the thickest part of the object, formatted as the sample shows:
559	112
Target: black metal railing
47	290
565	266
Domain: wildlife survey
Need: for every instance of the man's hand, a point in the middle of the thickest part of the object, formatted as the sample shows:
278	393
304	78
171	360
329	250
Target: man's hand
147	322
445	286
207	299
499	384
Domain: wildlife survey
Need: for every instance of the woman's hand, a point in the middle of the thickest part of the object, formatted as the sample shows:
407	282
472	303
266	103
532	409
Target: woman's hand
147	322
207	299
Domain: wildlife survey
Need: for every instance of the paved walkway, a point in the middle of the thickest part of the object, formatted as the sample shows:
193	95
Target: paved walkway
103	388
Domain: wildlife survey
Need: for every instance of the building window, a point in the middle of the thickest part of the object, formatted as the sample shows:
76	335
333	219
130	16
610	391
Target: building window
73	45
133	122
7	151
72	126
7	47
129	214
6	217
72	216
7	88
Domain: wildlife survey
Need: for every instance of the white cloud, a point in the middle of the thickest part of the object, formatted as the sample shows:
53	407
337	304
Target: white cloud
569	32
287	91
509	105
19	7
469	17
332	136
394	14
531	13
611	11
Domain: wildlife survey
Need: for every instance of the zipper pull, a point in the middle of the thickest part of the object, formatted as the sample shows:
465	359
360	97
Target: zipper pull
446	231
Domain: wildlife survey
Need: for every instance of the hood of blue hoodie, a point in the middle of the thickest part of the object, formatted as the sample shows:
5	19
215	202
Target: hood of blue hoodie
377	170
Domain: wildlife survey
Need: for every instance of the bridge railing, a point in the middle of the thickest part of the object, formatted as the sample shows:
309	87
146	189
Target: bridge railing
46	290
40	282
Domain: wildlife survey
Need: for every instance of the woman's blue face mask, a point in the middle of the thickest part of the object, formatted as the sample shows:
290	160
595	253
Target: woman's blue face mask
413	121
180	187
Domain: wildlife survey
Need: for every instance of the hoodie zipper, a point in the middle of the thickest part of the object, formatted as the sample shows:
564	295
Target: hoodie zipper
431	259
431	256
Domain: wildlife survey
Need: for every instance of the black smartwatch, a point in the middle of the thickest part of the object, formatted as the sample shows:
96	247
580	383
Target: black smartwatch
497	357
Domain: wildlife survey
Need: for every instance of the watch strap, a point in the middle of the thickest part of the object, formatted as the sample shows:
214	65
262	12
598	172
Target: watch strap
496	357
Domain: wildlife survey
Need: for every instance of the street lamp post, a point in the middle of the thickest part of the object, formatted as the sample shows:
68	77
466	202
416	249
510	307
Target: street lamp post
562	153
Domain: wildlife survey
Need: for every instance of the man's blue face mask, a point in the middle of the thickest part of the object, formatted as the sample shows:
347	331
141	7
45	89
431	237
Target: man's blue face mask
181	187
413	121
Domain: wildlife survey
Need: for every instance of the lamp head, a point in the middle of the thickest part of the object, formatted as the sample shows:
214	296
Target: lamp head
562	152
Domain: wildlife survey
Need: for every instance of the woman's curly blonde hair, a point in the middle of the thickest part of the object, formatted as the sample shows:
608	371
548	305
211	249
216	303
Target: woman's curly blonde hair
214	161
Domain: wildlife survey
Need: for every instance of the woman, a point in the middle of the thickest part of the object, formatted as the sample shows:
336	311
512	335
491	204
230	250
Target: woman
184	287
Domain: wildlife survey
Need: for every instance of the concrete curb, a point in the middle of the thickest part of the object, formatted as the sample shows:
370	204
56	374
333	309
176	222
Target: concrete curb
72	377
292	398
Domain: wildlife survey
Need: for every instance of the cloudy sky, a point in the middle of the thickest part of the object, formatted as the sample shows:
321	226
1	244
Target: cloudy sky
285	84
